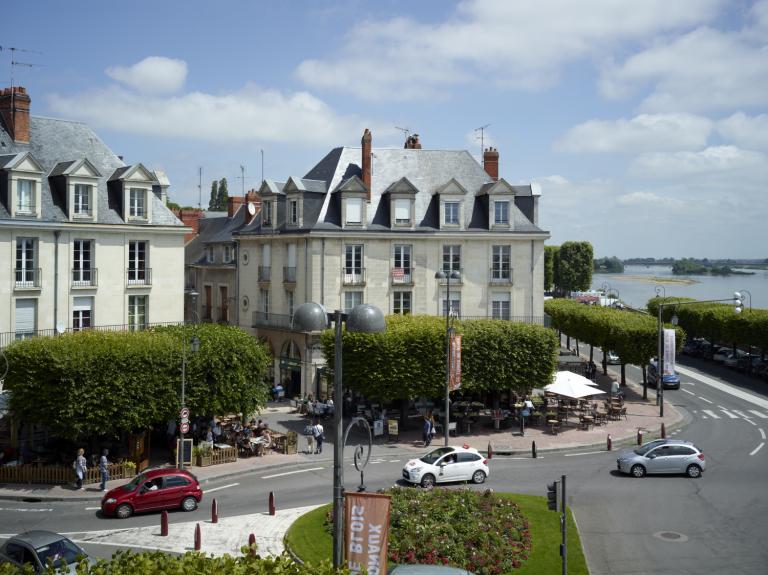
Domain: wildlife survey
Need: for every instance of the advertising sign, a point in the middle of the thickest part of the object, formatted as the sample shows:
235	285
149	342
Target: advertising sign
392	427
454	364
184	454
366	532
669	351
378	427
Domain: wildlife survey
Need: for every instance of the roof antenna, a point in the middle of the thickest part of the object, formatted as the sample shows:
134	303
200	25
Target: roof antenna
200	188
481	129
405	131
17	64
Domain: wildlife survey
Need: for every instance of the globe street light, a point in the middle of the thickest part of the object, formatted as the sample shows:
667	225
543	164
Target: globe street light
447	276
363	318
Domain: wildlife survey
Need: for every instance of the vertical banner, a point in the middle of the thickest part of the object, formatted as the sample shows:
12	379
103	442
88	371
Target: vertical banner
366	532
669	351
454	364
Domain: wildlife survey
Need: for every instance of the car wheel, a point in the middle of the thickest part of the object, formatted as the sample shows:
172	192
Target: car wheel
637	470
124	511
428	481
189	504
478	477
693	471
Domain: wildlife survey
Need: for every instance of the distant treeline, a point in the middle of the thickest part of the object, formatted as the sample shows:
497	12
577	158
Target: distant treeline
684	266
747	263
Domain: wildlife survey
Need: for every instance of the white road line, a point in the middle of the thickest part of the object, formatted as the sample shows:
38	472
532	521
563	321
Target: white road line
522	458
762	433
742	414
728	413
583	453
688	383
292	472
756	449
26	510
688	392
759	414
750	421
92	508
394	461
705	399
222	487
710	413
729	389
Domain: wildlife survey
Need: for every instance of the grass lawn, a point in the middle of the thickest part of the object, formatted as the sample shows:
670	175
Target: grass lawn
308	539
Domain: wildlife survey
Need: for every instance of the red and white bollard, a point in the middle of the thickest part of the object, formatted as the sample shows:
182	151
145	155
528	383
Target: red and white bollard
639	436
164	524
663	431
252	543
198	537
271	503
214	511
533	449
490	451
610	442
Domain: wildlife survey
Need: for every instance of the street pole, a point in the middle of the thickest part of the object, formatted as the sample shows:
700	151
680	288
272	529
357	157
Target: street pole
447	418
564	522
338	450
660	365
180	455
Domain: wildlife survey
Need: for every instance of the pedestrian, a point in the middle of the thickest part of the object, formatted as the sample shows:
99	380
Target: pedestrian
309	433
80	466
525	411
104	469
319	434
614	388
426	431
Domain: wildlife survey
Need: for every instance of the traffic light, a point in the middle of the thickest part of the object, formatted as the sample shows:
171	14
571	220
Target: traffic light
552	496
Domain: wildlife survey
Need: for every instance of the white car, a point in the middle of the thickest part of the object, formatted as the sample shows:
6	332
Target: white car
612	358
446	464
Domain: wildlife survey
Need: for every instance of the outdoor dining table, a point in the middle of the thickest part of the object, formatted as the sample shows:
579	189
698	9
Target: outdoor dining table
586	421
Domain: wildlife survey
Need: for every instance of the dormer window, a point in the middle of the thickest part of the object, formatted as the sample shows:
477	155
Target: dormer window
25	197
227	258
138	203
354	211
293	212
451	196
267	213
501	212
403	212
451	213
209	254
22	184
130	188
82	203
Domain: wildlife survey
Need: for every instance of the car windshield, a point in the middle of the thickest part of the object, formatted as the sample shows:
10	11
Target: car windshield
642	450
433	456
59	551
135	482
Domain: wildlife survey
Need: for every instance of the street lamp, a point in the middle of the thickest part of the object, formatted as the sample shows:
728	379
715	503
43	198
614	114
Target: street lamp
447	276
363	318
194	347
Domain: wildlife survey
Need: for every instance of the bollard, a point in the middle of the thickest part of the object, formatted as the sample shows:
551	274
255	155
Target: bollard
639	436
663	431
533	449
271	503
490	451
197	537
214	511
252	543
610	442
164	524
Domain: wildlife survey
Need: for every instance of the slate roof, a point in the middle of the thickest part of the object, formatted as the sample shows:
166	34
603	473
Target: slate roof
55	144
213	230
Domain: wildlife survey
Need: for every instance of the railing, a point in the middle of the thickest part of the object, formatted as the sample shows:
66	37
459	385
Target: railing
289	274
444	280
9	337
26	209
501	275
85	278
264	273
138	276
544	320
223	455
60	474
27	278
271	320
402	276
353	276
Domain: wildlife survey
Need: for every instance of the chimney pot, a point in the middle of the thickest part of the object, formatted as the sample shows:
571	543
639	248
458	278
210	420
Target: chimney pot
14	112
366	142
491	163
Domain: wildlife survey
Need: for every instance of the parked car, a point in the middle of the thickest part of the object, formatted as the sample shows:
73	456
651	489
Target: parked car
611	357
41	548
663	456
671	380
447	464
732	359
704	349
721	354
154	490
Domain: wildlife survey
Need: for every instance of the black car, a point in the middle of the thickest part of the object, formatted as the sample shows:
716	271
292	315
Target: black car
42	548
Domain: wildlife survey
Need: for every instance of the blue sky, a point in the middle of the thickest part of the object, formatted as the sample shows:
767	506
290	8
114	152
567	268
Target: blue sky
644	122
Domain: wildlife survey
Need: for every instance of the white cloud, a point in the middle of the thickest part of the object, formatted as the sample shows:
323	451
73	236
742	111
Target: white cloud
514	44
649	199
746	131
153	75
727	160
640	134
250	114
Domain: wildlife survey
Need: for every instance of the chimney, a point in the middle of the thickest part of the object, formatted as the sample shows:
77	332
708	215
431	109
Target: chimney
234	203
491	163
366	142
252	198
412	142
191	219
14	112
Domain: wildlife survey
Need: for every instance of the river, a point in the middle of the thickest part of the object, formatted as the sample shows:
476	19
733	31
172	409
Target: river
638	284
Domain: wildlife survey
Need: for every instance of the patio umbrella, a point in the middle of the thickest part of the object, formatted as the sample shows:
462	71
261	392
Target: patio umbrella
571	376
571	388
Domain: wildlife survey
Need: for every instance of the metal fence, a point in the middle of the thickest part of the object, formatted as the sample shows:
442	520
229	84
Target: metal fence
9	337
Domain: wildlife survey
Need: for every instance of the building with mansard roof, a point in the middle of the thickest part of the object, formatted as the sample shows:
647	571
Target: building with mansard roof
374	225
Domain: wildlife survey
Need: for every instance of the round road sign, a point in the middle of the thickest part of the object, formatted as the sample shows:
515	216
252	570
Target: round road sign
184	427
184	413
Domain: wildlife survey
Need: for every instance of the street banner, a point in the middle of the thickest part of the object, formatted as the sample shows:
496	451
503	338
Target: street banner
454	364
366	532
669	351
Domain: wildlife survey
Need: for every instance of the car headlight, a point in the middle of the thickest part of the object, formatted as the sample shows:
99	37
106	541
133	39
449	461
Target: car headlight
416	469
110	501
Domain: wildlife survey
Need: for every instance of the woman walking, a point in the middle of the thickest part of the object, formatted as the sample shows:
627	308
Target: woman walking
104	469
80	466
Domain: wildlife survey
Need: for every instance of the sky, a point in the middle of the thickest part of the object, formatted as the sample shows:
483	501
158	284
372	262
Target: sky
645	122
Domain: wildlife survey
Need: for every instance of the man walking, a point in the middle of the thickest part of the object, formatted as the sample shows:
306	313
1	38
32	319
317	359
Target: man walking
104	469
319	435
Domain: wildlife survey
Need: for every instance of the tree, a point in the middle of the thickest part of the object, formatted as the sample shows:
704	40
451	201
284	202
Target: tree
550	255
575	266
213	203
611	265
223	194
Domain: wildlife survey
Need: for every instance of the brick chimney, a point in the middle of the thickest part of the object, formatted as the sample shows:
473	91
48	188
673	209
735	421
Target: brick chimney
412	143
252	197
191	219
234	202
14	112
491	163
366	160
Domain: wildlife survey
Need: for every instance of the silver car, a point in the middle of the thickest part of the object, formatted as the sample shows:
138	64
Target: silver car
42	548
663	456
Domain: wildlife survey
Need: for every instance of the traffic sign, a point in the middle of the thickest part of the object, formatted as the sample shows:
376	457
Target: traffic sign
184	413
184	427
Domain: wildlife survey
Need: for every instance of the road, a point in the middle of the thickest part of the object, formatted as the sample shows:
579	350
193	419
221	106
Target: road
655	525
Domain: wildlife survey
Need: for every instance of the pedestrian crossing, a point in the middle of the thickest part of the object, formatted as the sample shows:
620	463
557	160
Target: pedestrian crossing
730	413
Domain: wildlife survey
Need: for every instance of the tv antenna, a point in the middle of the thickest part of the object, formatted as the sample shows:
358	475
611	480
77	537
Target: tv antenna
406	131
17	63
481	137
200	188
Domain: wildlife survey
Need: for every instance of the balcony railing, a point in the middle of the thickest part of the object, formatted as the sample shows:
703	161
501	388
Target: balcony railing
289	274
85	278
11	336
353	276
138	276
402	276
26	209
264	273
271	320
27	278
500	276
444	280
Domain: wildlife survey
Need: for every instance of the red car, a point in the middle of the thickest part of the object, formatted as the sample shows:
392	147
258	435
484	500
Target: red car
154	490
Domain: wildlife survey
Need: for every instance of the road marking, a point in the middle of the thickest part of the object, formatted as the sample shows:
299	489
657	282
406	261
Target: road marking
292	472
750	421
394	461
26	510
728	413
527	458
710	413
756	449
759	414
762	433
705	399
688	392
583	453
222	487
688	383
753	399
92	508
742	414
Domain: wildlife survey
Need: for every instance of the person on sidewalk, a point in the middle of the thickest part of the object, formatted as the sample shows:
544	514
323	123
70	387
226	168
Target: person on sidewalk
80	465
319	434
309	433
104	469
426	431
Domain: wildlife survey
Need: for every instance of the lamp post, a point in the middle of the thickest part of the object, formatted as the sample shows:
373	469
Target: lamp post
363	318
447	276
740	296
194	347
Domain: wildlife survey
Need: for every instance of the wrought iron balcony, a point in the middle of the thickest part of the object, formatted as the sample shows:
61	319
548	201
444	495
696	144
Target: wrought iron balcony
289	274
27	278
264	273
500	275
402	276
352	276
443	281
85	277
271	320
138	276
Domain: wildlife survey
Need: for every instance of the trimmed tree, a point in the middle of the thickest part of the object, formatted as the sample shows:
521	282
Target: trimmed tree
575	266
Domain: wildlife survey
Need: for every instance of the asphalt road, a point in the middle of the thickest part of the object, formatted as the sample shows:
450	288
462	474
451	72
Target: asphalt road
655	525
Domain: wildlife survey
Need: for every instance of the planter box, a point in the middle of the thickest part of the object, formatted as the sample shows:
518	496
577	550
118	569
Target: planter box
204	460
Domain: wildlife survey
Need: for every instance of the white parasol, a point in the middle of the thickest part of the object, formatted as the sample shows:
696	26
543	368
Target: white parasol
567	385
